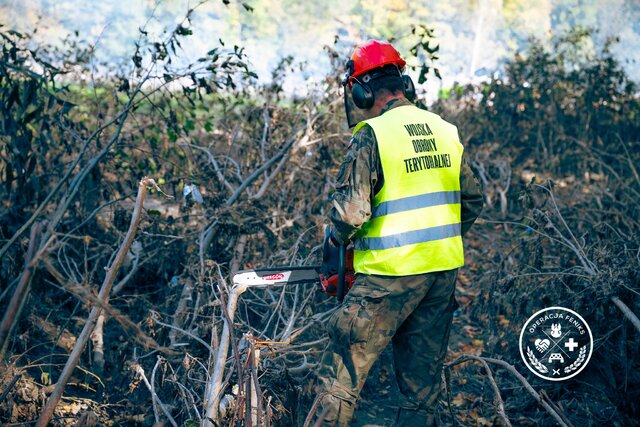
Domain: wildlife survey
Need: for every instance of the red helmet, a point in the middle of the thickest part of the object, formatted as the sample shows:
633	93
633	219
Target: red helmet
373	54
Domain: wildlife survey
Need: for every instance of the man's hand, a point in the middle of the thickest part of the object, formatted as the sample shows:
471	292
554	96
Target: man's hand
336	239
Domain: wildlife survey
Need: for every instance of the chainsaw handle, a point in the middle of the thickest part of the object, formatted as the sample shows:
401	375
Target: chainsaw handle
342	269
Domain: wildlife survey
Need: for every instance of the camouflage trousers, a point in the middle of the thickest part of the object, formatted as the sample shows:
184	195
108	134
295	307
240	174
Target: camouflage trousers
414	313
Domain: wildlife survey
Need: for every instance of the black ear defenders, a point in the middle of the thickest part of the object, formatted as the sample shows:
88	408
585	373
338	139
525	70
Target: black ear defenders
362	94
409	89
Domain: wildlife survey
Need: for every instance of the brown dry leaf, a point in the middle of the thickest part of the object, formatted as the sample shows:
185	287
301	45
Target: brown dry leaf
480	421
65	340
478	343
471	331
503	321
463	278
466	348
459	400
471	349
463	300
27	390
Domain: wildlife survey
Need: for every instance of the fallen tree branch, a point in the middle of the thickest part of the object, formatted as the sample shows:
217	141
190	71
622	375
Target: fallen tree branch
213	389
314	409
22	291
136	248
238	252
215	165
285	148
557	408
269	178
498	398
97	339
154	397
90	299
560	419
103	296
282	152
181	312
630	315
187	333
10	386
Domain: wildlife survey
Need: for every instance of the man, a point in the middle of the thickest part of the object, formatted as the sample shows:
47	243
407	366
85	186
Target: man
404	197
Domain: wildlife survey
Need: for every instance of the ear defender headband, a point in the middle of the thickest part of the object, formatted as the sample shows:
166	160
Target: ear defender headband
362	94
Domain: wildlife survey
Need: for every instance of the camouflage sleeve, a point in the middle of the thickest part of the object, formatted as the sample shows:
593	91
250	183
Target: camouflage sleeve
470	196
359	175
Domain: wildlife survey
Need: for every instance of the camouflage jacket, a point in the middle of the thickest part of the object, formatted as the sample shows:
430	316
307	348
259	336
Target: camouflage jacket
361	177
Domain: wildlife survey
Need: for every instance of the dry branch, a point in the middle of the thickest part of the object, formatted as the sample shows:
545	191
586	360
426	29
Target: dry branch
213	389
627	312
285	148
87	297
560	419
498	398
181	312
97	339
22	291
282	152
96	310
156	400
314	409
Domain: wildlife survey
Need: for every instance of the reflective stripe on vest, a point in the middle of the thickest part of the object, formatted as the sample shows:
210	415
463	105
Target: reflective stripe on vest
415	217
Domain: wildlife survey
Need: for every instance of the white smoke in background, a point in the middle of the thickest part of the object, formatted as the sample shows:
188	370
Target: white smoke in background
475	37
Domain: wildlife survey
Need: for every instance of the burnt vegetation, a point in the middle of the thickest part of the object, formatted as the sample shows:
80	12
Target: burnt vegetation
241	175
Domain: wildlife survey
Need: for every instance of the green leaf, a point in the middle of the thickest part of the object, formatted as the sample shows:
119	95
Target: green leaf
51	100
423	74
183	31
431	49
137	59
173	137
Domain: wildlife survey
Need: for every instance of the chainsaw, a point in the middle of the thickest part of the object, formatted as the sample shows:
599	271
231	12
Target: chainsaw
335	275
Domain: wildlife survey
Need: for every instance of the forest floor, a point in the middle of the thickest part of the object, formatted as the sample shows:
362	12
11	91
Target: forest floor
377	406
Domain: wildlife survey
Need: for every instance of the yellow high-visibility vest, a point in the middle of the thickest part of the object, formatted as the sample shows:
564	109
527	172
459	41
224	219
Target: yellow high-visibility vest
415	221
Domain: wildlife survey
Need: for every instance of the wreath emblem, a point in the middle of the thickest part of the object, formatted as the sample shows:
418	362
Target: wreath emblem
576	363
535	362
